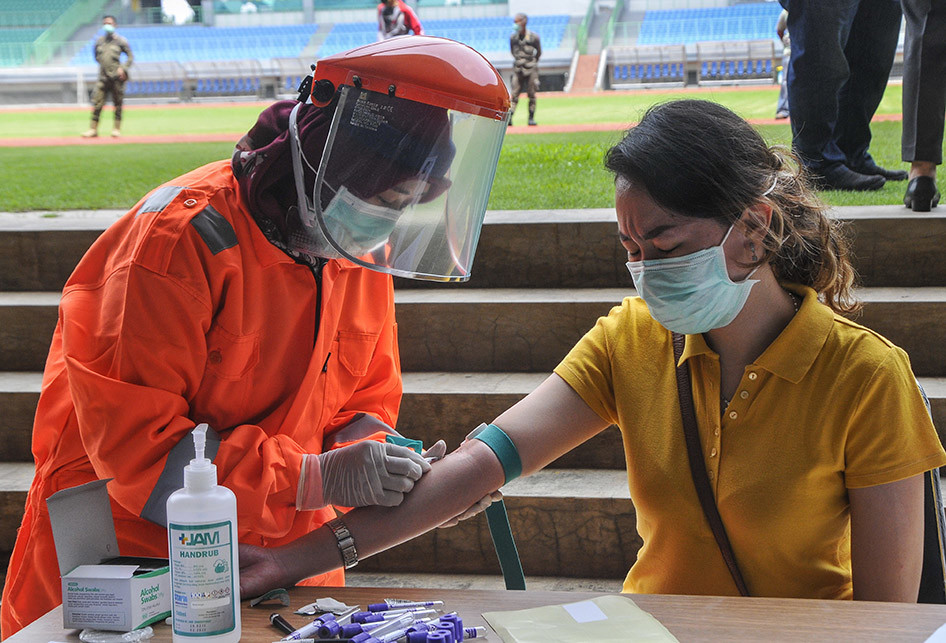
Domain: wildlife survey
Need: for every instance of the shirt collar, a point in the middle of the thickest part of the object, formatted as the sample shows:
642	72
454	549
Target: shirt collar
793	352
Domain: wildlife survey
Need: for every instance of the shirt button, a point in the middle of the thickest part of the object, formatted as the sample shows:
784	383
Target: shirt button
215	357
190	203
713	453
709	474
744	394
733	415
716	431
752	376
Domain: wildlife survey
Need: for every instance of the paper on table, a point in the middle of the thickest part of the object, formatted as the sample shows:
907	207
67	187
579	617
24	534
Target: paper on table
605	619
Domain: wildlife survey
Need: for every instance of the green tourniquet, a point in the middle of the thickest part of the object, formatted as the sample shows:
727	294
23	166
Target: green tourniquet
400	440
505	545
504	448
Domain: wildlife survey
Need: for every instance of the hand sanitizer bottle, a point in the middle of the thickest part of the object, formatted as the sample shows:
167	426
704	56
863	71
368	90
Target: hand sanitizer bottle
205	567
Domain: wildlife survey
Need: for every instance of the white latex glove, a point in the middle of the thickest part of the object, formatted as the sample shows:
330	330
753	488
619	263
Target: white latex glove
436	451
479	507
369	473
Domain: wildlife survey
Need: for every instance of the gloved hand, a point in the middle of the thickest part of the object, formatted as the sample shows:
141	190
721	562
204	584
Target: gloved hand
436	451
479	507
369	473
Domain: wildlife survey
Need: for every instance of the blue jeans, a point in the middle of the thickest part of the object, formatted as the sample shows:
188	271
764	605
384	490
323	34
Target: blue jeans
842	51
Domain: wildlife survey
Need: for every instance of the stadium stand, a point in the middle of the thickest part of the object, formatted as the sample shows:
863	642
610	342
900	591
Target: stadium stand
199	52
639	65
24	13
274	45
711	45
199	43
12	41
727	61
22	23
753	21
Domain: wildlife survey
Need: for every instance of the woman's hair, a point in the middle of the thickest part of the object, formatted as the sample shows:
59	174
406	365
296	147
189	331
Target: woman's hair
699	159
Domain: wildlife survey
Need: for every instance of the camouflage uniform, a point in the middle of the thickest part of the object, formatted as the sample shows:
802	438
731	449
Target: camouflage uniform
108	52
526	49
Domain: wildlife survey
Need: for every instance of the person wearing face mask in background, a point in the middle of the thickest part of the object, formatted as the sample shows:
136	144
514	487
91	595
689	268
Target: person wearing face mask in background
812	428
255	294
113	74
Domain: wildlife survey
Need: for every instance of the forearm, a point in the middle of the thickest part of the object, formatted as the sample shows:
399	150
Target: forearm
449	488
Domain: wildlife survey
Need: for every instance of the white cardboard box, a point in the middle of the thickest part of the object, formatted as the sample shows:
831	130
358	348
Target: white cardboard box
100	589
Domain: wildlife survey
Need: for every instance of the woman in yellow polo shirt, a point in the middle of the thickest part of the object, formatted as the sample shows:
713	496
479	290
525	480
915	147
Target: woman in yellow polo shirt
813	431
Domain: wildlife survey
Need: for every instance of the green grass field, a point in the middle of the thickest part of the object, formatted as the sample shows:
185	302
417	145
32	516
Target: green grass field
535	170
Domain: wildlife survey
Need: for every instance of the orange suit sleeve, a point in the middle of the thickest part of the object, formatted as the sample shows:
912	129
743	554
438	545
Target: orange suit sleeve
135	350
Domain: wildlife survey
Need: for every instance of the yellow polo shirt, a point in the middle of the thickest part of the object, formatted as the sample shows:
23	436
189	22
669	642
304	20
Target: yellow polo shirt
829	405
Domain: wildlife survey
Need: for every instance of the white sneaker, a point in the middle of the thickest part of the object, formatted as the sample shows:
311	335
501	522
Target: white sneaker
90	133
116	133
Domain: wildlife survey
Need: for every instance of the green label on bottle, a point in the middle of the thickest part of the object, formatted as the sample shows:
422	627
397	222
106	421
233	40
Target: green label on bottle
202	580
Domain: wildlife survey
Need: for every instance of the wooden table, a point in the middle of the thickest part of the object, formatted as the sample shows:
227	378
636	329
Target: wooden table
689	618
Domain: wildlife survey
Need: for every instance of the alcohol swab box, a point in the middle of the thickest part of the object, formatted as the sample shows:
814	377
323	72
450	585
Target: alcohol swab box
101	589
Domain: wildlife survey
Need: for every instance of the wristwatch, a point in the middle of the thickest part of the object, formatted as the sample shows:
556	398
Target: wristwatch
346	543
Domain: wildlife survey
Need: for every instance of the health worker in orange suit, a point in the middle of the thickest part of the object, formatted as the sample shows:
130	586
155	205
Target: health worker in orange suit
255	295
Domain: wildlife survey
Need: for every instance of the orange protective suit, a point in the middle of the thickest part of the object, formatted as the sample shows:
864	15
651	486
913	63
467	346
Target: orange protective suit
183	312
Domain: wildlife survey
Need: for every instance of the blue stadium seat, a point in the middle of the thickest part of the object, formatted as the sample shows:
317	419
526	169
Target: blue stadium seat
753	21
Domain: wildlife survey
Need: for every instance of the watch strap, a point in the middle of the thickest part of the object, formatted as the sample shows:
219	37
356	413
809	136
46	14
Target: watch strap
346	542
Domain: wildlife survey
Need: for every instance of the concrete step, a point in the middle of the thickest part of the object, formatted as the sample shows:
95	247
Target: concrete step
576	522
567	523
509	330
15	478
517	249
435	406
531	330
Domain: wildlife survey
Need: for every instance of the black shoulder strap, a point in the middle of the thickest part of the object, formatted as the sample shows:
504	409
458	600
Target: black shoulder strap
698	468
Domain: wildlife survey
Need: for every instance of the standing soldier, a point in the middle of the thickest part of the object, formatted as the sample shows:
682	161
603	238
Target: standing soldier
526	49
112	75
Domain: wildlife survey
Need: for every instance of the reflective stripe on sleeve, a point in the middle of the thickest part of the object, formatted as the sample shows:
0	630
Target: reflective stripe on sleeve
172	477
160	198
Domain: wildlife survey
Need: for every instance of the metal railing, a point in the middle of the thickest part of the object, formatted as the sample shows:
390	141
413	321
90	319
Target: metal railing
581	39
609	29
625	33
79	13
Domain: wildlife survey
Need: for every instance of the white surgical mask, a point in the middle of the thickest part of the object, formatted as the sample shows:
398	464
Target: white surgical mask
693	293
359	226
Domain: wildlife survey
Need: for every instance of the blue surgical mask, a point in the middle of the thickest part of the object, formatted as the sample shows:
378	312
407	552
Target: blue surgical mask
691	294
108	28
357	225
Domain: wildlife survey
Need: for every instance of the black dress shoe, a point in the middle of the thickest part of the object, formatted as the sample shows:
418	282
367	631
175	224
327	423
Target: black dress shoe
873	169
921	194
840	177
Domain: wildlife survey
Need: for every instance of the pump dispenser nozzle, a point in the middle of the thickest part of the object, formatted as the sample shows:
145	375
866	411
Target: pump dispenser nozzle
201	473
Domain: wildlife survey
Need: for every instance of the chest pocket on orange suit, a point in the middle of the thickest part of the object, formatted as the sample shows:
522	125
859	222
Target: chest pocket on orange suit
352	352
227	386
230	356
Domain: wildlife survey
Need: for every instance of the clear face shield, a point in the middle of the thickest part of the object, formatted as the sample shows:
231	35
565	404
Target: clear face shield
401	186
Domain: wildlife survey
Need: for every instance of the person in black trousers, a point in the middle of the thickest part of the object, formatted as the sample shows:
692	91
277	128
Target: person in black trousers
924	99
842	52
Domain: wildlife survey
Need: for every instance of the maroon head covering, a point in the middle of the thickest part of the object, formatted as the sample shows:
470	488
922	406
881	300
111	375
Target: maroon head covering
262	161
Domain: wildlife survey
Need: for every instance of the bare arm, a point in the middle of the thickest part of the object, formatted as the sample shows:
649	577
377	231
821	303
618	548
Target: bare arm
887	540
547	423
449	488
